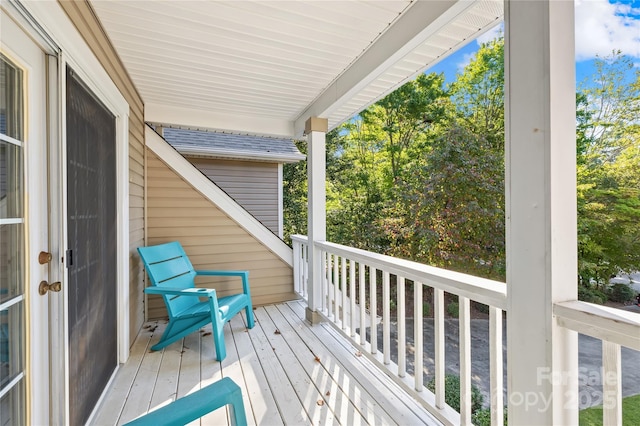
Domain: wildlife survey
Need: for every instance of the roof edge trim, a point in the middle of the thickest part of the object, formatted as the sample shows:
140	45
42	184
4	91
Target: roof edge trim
168	115
241	155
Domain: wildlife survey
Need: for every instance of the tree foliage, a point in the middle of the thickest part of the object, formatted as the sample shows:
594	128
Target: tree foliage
420	174
608	157
452	207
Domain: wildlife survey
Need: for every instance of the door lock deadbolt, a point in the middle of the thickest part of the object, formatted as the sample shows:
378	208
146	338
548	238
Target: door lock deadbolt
44	258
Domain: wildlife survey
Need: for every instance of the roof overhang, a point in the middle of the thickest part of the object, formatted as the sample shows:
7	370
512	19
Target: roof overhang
264	67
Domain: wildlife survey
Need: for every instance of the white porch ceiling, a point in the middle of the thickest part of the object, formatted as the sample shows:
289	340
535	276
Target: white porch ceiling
263	67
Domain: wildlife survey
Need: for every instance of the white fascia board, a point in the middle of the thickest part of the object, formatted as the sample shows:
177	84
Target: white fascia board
216	196
412	29
167	115
241	155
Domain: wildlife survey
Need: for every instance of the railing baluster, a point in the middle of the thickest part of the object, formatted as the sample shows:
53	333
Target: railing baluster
386	331
352	296
296	267
496	366
611	384
324	256
465	360
417	335
343	292
402	330
305	272
362	288
336	289
439	345
373	308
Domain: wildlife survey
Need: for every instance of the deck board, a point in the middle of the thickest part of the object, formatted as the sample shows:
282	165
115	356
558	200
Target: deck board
297	375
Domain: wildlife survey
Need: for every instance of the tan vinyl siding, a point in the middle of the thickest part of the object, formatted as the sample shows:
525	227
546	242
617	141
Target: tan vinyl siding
254	185
83	17
213	240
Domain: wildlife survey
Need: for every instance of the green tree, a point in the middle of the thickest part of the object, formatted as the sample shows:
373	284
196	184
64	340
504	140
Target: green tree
403	116
610	103
478	93
356	185
608	148
452	210
294	196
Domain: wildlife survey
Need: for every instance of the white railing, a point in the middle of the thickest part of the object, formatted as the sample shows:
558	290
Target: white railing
349	291
615	328
350	284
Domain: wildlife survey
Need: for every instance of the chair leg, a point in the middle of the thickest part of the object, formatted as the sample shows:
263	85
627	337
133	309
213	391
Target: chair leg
249	312
218	339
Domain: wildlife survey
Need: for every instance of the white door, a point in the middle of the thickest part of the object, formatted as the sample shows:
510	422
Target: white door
24	314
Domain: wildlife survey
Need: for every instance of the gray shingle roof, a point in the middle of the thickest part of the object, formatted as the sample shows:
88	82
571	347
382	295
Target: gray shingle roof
225	145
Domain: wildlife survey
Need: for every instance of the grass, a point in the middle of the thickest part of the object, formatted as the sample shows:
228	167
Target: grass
630	413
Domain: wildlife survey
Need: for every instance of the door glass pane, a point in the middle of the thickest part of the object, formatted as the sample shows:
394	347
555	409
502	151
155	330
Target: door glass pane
12	406
11	344
11	100
11	261
12	319
10	179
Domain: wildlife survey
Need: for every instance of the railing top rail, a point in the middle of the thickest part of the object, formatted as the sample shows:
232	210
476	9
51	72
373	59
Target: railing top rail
602	322
299	238
481	290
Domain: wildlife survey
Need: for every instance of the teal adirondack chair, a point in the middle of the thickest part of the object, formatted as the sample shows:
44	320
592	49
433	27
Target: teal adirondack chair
191	407
172	276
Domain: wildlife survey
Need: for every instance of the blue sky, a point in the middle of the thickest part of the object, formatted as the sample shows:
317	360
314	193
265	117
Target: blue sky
601	26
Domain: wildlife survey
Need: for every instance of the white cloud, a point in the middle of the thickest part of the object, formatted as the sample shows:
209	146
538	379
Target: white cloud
491	34
602	27
465	60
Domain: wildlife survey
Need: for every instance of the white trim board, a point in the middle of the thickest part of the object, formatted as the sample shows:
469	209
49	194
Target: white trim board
217	196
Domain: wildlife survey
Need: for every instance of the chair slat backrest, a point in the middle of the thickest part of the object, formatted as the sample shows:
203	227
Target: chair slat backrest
168	266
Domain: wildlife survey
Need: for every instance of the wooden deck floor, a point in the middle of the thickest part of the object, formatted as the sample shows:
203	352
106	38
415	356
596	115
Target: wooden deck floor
289	372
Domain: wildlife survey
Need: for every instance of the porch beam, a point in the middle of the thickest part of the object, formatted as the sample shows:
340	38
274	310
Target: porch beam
421	21
541	210
167	115
316	130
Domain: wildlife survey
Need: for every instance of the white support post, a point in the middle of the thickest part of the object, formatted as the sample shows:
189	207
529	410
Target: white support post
316	130
542	357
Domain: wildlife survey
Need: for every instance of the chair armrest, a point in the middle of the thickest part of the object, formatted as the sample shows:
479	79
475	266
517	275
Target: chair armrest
223	273
243	274
200	292
191	407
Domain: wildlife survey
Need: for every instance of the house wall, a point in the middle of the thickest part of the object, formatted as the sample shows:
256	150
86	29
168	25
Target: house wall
212	239
84	19
254	185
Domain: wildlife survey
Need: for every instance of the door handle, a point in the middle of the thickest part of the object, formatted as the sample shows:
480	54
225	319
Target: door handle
44	287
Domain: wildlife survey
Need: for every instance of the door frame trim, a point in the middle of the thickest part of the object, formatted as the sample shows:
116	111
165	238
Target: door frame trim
48	17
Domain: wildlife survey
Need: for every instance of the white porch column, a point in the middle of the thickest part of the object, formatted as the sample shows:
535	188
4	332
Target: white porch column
316	130
541	210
